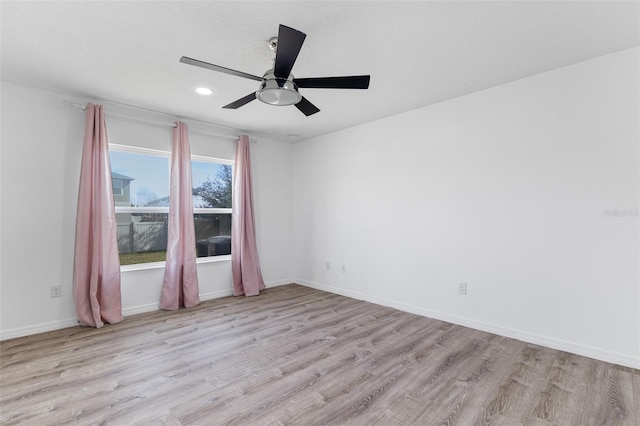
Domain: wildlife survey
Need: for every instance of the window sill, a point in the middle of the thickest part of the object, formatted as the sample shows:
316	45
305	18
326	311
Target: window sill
160	265
213	259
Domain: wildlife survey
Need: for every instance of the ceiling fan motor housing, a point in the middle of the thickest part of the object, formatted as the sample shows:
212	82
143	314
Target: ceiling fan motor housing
278	91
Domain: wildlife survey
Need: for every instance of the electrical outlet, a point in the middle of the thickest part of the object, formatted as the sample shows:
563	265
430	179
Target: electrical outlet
327	266
56	291
462	288
343	269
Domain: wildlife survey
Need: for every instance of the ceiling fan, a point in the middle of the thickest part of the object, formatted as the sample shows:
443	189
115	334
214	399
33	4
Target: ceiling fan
277	85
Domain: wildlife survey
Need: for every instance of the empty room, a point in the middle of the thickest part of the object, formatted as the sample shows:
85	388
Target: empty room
320	213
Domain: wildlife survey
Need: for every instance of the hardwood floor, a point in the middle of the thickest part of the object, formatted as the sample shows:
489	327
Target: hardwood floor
298	356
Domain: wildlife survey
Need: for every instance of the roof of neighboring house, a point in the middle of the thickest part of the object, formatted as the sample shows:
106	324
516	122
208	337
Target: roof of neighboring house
160	202
115	175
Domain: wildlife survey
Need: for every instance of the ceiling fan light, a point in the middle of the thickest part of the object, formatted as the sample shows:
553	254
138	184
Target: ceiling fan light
279	97
272	93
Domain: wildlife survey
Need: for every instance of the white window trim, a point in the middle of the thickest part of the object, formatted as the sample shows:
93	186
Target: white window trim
212	160
138	150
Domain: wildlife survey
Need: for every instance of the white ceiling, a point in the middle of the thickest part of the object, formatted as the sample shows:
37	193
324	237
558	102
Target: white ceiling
417	53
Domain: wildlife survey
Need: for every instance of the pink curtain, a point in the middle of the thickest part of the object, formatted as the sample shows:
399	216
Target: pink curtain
180	286
96	269
247	278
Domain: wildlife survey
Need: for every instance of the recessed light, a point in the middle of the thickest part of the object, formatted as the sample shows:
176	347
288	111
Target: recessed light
204	91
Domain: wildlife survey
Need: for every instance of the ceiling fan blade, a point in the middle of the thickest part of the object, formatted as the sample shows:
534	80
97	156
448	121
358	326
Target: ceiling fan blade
207	65
347	82
306	107
241	101
289	45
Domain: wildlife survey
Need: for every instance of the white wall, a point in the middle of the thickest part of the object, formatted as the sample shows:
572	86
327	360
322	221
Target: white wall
507	190
40	165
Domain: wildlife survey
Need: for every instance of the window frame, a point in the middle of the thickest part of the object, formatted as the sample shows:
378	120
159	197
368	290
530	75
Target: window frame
199	210
120	187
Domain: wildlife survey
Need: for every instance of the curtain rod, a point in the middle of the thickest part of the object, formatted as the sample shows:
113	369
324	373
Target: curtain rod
157	122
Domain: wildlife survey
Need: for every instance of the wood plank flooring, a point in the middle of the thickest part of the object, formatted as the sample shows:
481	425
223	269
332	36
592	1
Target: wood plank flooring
299	356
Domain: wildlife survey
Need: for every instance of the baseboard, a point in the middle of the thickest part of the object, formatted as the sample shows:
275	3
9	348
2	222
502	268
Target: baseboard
216	294
140	309
279	283
37	328
550	342
133	310
128	311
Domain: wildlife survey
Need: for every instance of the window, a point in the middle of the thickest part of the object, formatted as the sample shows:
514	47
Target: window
142	205
117	186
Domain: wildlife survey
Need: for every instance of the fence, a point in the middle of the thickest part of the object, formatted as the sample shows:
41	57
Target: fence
136	237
